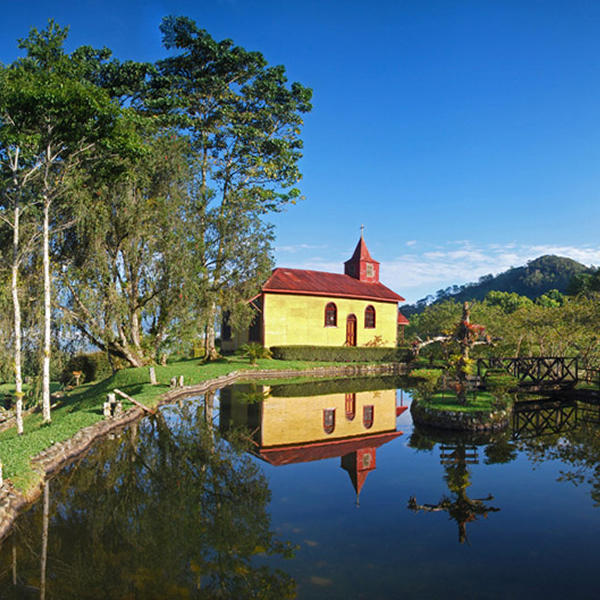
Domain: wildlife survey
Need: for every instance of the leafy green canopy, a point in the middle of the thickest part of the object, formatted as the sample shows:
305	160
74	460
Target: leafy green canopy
553	325
242	119
155	181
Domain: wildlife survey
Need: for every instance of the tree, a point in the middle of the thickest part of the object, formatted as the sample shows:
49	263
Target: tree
585	282
243	122
551	299
53	119
434	323
509	302
466	335
132	286
14	201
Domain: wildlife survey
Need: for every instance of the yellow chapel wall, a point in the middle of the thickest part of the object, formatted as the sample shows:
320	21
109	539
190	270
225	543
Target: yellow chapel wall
297	320
287	421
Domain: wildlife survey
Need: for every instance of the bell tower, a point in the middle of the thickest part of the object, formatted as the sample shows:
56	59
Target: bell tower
361	266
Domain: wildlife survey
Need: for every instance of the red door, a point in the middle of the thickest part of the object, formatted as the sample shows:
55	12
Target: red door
351	330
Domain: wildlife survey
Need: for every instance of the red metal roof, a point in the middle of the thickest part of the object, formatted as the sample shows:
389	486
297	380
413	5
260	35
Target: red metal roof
400	410
361	252
402	320
285	455
318	283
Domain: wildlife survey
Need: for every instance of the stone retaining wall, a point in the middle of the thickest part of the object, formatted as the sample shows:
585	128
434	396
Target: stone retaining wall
51	460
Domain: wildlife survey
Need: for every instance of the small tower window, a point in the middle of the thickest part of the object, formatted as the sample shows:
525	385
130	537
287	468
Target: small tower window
370	317
370	270
368	414
328	420
331	315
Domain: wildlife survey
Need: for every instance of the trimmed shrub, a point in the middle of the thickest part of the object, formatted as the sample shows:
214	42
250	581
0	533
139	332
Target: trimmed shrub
341	353
93	367
426	382
337	386
430	376
500	384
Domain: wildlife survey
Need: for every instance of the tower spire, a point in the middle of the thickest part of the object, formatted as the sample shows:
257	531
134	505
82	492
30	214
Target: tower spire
362	266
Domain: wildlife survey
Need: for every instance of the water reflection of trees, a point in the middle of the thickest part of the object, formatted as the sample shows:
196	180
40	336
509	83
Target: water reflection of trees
169	510
457	452
577	447
561	430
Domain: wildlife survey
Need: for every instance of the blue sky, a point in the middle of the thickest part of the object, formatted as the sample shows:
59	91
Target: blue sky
464	135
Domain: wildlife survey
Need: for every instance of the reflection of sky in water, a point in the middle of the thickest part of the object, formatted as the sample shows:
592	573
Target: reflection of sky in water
542	542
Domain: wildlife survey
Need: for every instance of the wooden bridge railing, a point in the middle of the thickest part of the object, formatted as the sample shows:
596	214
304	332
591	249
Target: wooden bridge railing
535	370
534	419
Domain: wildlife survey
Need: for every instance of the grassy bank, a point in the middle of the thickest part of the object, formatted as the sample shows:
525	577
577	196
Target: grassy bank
82	406
476	402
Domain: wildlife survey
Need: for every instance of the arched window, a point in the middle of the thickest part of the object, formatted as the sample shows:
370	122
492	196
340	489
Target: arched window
350	406
328	420
368	416
331	315
370	317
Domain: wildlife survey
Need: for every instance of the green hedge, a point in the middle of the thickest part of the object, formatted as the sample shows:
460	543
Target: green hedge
93	367
337	386
341	353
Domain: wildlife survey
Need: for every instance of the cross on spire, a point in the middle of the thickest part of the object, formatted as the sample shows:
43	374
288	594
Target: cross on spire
362	230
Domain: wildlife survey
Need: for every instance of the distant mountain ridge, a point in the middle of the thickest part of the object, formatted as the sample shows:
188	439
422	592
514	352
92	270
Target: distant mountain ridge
534	279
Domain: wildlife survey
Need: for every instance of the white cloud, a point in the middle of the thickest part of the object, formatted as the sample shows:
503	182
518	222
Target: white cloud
421	270
416	275
298	248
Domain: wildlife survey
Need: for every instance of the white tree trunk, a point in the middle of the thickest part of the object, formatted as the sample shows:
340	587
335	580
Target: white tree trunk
45	528
47	318
210	350
17	323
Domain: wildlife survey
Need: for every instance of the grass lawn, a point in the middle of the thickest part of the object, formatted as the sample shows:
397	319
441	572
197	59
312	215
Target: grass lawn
476	402
82	406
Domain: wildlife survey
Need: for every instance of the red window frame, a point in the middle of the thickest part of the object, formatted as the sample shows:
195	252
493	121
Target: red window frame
370	317
331	315
328	420
350	406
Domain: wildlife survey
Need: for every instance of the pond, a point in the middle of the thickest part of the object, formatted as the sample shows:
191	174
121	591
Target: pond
318	490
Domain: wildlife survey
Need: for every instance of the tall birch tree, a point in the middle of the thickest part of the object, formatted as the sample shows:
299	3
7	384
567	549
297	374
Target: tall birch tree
54	118
14	202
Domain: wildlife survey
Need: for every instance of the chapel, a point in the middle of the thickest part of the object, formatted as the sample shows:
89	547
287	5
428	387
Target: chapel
298	307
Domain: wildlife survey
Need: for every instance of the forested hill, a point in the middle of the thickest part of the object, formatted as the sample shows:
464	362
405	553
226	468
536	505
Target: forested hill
532	280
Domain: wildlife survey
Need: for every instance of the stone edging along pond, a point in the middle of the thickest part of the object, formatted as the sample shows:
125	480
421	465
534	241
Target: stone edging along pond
51	460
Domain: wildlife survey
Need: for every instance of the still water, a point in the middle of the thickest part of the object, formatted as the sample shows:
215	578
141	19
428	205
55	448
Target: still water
318	491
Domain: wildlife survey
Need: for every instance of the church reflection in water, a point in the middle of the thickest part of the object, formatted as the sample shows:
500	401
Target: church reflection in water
287	429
